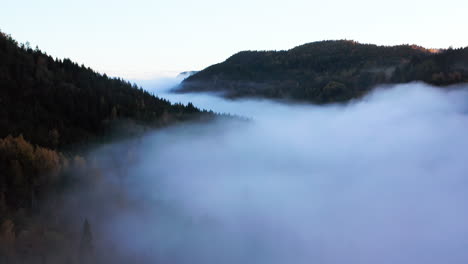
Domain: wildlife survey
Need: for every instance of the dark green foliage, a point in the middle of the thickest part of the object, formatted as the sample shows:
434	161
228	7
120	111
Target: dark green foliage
47	105
328	71
55	103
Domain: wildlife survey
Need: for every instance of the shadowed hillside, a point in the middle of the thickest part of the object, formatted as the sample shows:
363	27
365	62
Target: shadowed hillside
328	71
55	103
51	111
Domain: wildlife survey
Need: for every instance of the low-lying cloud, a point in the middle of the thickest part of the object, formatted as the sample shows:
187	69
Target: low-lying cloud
380	180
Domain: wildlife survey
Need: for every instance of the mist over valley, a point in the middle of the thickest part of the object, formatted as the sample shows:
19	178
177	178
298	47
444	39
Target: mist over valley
330	152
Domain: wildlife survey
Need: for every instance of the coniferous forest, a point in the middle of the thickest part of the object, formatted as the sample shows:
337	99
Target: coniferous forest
55	102
51	112
328	71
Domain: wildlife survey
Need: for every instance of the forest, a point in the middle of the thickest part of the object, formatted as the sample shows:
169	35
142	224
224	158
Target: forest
329	71
51	112
56	103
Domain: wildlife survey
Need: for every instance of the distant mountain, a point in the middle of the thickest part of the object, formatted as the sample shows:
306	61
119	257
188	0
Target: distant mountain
328	71
56	103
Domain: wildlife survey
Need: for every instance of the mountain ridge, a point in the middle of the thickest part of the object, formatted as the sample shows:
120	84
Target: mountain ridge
56	103
328	71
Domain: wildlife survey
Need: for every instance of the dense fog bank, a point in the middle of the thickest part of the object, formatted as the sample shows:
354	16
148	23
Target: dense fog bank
380	180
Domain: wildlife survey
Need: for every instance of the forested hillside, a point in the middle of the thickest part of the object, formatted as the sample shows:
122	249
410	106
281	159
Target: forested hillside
55	102
51	110
328	71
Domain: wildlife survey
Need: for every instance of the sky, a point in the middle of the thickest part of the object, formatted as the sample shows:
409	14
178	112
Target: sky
144	39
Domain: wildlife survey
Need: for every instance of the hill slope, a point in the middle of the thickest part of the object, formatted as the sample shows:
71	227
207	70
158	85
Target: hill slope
55	103
49	110
328	71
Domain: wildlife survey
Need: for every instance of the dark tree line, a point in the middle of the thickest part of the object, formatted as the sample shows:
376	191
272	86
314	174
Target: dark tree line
329	71
55	103
50	110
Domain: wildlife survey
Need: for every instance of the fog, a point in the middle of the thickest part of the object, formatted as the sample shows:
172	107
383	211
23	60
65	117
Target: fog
378	180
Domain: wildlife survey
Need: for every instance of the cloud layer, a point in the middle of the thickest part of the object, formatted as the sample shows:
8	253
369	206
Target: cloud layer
379	180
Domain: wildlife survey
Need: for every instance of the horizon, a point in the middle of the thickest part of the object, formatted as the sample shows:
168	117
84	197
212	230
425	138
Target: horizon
170	74
146	40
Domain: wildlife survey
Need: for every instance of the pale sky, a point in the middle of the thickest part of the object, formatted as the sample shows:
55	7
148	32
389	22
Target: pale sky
145	39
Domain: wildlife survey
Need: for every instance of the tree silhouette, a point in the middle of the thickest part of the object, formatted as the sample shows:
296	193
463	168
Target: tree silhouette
86	244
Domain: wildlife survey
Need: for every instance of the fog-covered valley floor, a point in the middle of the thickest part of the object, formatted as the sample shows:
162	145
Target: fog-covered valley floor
379	180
